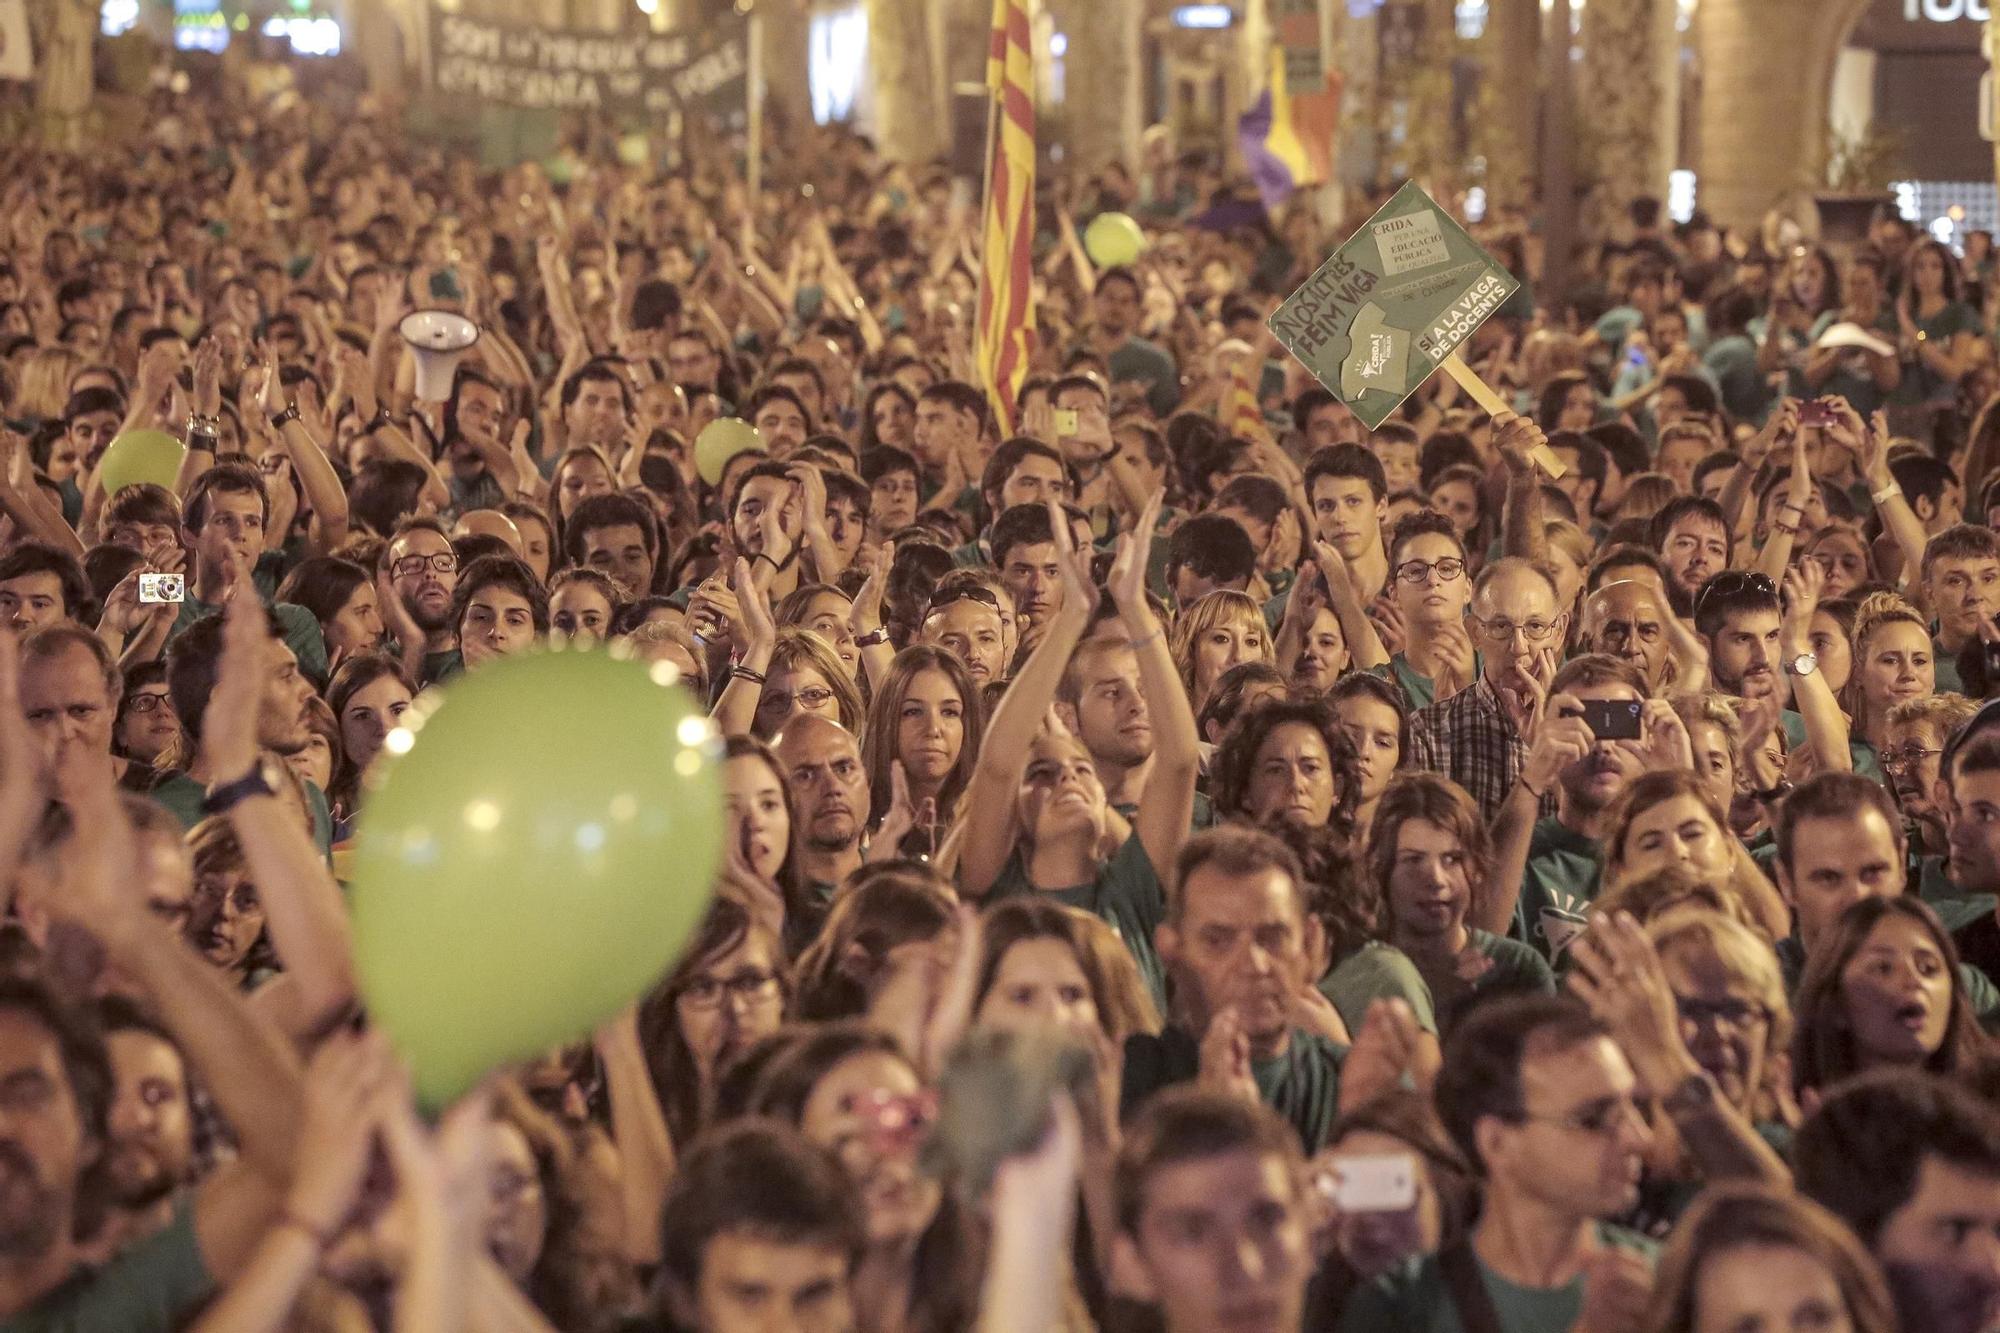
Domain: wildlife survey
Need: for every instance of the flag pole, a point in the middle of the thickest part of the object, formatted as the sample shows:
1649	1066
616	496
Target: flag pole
979	331
753	174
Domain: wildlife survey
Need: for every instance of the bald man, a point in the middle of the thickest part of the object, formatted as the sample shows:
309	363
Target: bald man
1628	620
488	523
830	800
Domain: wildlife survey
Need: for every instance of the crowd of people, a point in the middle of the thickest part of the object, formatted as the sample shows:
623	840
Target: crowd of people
1192	861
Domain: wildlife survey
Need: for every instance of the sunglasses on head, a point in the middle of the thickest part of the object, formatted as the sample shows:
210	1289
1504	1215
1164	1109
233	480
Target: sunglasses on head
1733	583
944	597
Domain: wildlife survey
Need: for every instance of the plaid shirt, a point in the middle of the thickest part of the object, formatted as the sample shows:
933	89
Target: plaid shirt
1470	739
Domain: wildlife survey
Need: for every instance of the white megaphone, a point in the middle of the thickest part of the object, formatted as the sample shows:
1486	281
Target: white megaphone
438	339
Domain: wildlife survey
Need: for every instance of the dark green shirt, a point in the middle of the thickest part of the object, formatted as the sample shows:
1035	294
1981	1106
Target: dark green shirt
1127	894
183	795
1302	1084
1148	364
1414	1297
1377	971
1515	965
302	632
151	1287
1561	881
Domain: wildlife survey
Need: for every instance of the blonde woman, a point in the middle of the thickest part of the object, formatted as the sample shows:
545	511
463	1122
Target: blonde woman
43	382
1216	633
1894	663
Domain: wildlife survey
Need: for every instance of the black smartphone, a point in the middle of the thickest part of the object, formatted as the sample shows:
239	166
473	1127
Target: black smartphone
1612	719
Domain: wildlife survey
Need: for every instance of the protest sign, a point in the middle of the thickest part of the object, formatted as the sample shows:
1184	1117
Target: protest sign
1391	307
700	72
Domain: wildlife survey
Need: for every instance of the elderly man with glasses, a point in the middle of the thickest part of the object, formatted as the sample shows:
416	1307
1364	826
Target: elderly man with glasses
1479	737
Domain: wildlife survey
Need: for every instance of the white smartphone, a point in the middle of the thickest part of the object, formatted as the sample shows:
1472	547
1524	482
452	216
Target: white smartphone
1374	1184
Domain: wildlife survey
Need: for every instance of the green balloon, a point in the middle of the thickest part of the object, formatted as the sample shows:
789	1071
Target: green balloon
721	440
1112	239
137	456
532	860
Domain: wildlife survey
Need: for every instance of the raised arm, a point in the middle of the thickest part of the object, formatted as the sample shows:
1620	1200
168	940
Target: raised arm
1826	725
1523	530
1010	736
309	462
1777	552
1166	807
1364	645
1871	445
736	710
1561	739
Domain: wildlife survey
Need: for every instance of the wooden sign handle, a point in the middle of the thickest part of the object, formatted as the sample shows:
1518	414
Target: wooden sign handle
1493	405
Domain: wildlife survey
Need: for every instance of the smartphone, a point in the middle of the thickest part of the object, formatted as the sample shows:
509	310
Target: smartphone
1817	413
1378	1183
1612	719
1065	420
157	588
444	286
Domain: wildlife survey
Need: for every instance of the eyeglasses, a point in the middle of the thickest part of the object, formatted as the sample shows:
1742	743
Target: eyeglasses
1739	1015
944	597
1534	630
412	565
1601	1119
781	701
1733	583
242	898
747	987
1906	758
1419	571
146	703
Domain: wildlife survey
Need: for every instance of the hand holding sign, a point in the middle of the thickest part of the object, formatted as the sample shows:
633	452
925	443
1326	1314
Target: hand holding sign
1392	306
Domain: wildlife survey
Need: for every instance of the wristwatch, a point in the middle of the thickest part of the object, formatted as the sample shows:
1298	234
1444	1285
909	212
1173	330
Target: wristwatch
1803	665
291	413
871	638
1694	1095
262	780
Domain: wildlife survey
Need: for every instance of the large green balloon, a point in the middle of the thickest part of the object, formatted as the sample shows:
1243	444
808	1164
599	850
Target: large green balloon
538	849
140	456
1112	239
721	440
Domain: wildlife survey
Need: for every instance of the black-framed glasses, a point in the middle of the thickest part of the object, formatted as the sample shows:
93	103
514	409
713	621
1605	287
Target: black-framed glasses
147	702
1737	1015
1906	757
1419	571
944	597
747	986
444	562
1733	583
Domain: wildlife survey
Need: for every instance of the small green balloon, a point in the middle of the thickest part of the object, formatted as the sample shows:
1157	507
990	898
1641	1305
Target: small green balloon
137	456
1112	239
721	440
542	842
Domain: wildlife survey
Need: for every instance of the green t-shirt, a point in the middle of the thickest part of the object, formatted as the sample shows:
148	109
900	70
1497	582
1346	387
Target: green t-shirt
1127	894
1414	1297
1302	1084
1866	762
1377	971
1954	906
151	1287
1944	669
1561	881
302	633
1516	966
440	667
1419	691
183	795
1920	383
1148	364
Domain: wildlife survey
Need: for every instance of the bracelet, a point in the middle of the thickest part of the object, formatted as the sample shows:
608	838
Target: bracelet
1887	493
740	672
1789	529
761	555
287	1218
1141	643
200	423
291	413
1783	505
1539	796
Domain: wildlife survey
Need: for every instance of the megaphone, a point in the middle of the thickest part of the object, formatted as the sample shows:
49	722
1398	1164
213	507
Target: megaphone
438	339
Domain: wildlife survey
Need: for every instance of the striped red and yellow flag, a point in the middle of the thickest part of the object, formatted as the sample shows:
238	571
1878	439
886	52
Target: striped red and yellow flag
1005	337
1241	414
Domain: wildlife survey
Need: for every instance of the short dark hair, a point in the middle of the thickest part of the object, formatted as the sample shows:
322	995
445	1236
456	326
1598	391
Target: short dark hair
1922	477
1592	463
1839	796
654	303
1733	592
1695	391
597	368
1687	506
1262	497
776	393
508	572
386	492
1235	849
86	1063
39	557
1309	402
1118	273
141	502
609	511
1009	455
194	659
1962	541
1446	449
1481	1072
1414	525
1355	461
764	1177
1213	545
1191	1124
1624	446
85	401
1023	525
965	397
885	460
229	479
1859	1154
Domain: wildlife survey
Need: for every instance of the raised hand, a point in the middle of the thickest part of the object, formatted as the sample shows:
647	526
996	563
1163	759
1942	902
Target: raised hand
1617	973
1225	1056
1562	739
229	730
865	615
1079	589
1664	741
1128	568
759	629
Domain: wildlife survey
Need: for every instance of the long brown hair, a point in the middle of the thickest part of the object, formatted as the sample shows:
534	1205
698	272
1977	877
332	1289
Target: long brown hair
879	741
1823	1046
1436	800
1741	1215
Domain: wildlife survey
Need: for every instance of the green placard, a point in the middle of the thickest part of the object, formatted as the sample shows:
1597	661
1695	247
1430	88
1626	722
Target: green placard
1385	310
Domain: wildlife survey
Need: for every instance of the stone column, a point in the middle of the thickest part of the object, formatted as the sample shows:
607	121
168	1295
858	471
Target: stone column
1767	71
1510	51
909	105
1103	79
64	34
1629	96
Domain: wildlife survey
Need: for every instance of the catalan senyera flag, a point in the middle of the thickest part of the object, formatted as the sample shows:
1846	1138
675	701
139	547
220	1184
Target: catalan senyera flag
1005	336
1239	412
